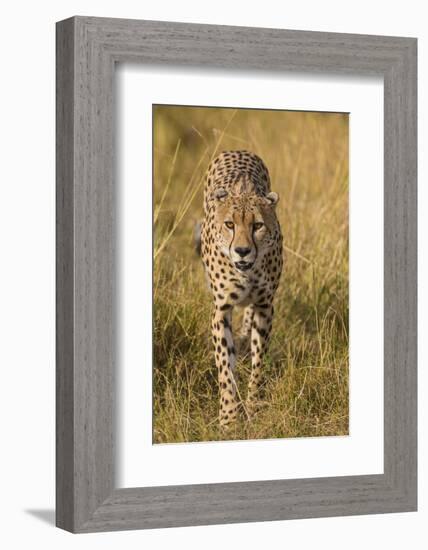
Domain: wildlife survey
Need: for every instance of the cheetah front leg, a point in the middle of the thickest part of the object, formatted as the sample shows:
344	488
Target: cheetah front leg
260	332
225	359
243	340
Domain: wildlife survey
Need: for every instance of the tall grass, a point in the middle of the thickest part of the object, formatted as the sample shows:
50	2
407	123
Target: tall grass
305	387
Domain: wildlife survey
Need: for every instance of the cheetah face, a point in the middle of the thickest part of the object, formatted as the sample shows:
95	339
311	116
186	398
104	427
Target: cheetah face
245	226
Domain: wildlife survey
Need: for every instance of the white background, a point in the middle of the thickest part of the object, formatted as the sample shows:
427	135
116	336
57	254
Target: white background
27	273
362	451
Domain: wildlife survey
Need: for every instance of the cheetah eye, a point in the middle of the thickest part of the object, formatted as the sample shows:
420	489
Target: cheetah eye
257	225
229	225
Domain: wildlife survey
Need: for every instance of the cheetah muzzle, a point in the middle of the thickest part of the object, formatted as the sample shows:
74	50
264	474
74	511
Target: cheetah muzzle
241	249
243	266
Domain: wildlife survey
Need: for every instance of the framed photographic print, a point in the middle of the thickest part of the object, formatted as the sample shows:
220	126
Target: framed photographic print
236	274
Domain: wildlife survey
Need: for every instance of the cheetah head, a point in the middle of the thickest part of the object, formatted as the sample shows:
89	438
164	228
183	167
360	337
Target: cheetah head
245	226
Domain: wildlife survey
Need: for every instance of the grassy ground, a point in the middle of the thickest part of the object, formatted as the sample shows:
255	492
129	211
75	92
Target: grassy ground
305	389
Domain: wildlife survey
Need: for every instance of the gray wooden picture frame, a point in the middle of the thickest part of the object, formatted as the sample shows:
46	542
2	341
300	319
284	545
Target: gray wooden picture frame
87	51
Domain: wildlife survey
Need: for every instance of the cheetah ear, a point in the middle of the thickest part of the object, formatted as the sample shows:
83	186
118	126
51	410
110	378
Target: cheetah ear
220	193
272	198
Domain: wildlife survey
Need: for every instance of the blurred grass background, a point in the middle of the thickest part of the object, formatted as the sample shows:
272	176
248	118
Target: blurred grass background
305	386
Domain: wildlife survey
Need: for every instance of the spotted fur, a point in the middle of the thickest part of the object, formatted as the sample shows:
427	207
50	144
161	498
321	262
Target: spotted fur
241	249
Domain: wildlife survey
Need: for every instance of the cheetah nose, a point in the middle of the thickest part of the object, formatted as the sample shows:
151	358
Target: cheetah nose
242	251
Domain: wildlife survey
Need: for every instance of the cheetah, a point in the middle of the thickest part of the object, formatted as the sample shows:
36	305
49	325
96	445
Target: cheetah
241	250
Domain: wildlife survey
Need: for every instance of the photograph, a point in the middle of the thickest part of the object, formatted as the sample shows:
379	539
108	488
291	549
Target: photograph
250	273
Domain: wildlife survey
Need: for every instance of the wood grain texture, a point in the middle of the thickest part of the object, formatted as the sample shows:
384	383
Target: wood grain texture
87	49
64	277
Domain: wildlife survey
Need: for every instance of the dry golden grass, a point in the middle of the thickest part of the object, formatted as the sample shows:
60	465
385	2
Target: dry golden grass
305	389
